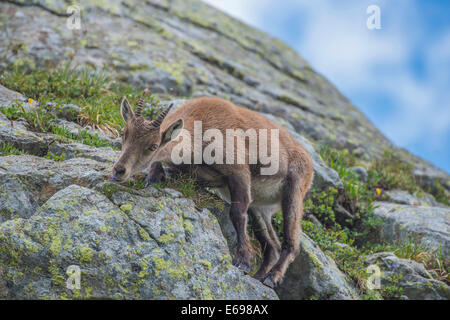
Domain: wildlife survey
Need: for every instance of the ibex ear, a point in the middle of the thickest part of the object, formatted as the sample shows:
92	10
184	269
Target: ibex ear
171	132
126	110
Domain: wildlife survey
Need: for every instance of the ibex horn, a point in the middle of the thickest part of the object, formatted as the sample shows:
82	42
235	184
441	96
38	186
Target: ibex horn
141	103
157	122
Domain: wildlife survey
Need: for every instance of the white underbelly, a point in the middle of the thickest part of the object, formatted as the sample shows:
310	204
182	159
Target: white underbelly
266	192
263	193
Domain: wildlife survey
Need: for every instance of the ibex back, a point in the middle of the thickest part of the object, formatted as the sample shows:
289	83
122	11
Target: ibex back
151	143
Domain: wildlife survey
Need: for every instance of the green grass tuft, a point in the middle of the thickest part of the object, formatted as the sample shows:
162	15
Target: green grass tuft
8	150
98	96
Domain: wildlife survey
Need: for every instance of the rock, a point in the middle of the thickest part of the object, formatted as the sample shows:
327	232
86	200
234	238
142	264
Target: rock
429	226
314	220
15	200
426	177
404	197
313	275
79	150
343	217
411	277
28	181
361	172
9	98
75	128
138	245
69	112
17	134
40	144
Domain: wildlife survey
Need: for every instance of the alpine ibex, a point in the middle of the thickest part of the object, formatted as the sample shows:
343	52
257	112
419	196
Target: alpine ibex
151	143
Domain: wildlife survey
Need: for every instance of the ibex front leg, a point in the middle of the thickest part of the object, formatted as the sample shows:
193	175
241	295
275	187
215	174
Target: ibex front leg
156	174
239	186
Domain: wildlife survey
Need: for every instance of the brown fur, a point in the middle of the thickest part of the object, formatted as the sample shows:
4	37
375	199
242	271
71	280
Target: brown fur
241	185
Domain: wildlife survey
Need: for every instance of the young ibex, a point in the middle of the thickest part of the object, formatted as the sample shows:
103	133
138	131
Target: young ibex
150	143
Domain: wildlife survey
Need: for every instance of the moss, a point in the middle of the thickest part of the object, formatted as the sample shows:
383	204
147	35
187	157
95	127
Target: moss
126	207
166	238
206	263
143	234
160	265
176	70
19	132
68	244
188	226
57	279
86	255
175	271
178	271
56	244
206	293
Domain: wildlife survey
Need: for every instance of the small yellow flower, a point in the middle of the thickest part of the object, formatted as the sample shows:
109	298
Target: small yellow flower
378	191
30	101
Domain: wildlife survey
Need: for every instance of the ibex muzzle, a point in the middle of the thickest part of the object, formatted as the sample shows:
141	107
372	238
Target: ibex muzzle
151	143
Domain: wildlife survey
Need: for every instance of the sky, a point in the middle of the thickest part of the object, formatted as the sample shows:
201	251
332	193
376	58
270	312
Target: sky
398	75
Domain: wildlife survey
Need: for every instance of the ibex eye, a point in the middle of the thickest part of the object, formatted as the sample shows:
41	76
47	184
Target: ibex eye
153	147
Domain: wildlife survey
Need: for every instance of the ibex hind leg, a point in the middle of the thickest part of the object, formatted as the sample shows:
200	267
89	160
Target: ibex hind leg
239	186
292	206
262	226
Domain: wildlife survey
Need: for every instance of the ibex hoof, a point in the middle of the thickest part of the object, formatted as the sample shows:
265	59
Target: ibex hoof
268	281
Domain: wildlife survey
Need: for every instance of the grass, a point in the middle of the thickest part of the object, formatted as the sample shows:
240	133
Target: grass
440	193
434	262
83	136
186	184
98	96
390	172
55	157
40	120
8	150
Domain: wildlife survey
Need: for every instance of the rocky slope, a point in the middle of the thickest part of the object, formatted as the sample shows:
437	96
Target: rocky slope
187	48
156	243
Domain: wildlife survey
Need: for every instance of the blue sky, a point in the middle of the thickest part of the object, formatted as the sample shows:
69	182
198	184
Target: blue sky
398	76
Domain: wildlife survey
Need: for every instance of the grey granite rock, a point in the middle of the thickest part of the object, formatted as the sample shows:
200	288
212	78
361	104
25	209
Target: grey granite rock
429	226
139	245
410	277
